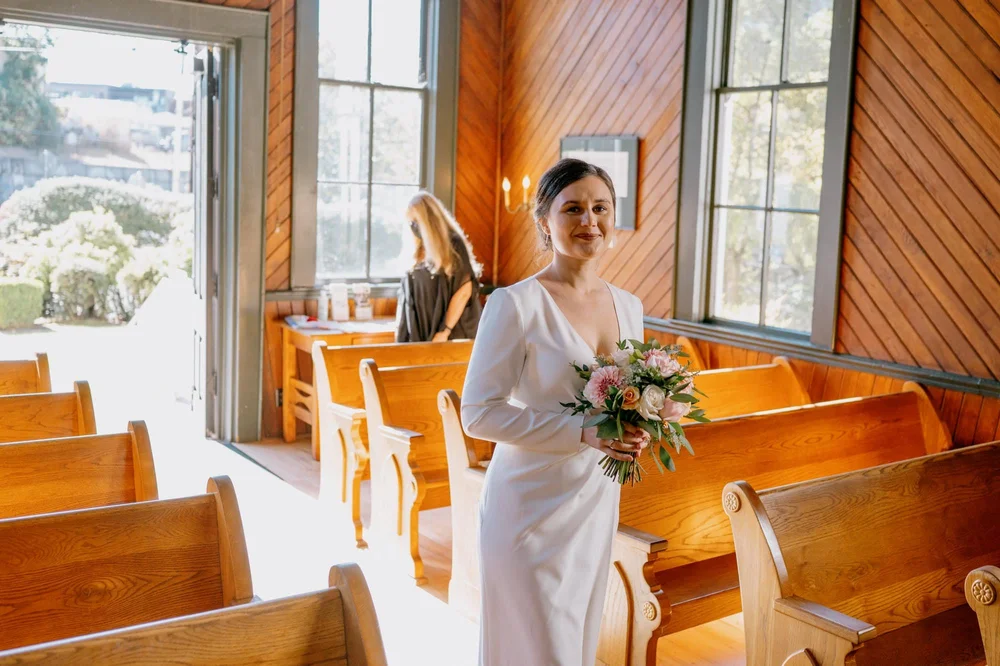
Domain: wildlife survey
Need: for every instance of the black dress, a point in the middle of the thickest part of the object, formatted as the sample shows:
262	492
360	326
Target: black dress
424	298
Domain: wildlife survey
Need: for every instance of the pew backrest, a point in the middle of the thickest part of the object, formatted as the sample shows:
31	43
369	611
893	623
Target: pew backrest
889	545
17	377
407	398
47	415
694	359
768	449
336	625
757	388
463	451
49	475
336	368
79	572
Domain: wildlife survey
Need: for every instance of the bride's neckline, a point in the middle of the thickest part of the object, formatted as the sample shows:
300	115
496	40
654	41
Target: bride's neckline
555	305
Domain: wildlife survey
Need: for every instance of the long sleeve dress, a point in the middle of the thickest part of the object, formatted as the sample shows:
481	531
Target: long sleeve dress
548	514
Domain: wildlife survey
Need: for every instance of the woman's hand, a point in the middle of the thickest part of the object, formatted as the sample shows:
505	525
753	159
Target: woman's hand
441	336
628	448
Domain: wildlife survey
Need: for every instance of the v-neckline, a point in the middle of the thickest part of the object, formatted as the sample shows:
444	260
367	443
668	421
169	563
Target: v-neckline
614	304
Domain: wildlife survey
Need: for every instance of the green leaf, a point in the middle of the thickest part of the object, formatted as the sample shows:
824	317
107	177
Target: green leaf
596	419
650	427
699	418
686	444
656	457
676	427
684	397
607	430
665	458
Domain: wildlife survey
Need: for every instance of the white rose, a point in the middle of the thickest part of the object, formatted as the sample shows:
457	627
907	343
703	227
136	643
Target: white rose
621	357
651	403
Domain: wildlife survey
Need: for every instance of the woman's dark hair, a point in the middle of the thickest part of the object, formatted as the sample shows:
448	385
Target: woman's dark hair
561	175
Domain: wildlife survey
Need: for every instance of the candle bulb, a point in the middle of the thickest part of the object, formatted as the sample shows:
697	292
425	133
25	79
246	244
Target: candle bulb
506	192
525	184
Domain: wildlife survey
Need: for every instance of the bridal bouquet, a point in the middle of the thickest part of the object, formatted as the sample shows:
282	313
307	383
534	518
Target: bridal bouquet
645	385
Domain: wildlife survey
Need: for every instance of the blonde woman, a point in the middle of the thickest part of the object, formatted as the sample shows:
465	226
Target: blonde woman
439	295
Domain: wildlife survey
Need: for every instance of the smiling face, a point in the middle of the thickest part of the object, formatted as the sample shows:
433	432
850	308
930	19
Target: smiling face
581	220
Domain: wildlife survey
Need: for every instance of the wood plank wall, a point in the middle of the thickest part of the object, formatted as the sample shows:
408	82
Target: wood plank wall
921	270
596	67
476	186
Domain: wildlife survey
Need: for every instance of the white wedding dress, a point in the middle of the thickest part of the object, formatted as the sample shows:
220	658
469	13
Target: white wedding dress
548	513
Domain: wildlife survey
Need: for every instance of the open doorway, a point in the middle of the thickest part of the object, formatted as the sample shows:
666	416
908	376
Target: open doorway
109	186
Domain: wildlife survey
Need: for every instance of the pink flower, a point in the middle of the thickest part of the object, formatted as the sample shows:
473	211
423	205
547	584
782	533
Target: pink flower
601	380
662	361
674	411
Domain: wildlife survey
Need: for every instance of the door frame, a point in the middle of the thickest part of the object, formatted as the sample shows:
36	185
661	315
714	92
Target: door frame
243	36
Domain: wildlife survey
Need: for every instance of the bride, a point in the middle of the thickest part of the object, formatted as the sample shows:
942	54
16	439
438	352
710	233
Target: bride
548	514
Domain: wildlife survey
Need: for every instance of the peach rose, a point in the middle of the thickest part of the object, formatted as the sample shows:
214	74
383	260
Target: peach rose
631	397
674	411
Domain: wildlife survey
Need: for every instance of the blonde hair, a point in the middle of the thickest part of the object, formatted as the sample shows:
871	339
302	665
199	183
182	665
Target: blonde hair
436	226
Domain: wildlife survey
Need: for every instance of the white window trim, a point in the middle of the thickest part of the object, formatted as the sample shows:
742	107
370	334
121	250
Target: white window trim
705	44
440	122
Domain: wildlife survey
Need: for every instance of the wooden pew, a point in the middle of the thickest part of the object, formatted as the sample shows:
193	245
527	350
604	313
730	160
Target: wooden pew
47	415
694	358
49	475
409	465
343	427
755	388
336	625
80	572
467	461
17	377
982	589
673	560
730	392
868	567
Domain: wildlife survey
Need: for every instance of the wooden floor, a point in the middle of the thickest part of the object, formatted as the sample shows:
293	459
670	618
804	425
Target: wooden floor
719	643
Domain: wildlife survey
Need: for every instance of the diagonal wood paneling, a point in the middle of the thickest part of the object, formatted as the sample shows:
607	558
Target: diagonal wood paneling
590	67
921	268
476	188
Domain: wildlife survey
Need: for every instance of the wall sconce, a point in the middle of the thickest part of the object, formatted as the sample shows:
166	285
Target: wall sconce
525	184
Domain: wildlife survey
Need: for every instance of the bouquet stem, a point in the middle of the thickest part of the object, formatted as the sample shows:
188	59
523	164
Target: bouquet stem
622	471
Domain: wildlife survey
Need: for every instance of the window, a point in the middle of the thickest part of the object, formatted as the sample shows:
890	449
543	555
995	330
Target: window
372	104
376	84
769	162
765	136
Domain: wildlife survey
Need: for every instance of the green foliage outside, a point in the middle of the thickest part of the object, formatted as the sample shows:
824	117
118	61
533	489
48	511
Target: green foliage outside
27	117
20	302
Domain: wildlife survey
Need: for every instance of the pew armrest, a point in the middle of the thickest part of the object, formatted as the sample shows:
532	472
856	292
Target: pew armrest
343	413
639	540
825	619
399	435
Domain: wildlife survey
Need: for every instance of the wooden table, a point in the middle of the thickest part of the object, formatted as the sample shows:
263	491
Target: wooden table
298	394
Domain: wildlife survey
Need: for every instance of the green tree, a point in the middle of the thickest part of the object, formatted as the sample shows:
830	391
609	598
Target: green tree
28	118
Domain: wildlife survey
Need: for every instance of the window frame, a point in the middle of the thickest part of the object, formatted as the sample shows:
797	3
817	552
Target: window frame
707	41
439	32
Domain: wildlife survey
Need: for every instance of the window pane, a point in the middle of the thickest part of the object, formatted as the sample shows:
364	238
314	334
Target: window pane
744	135
343	133
792	271
739	243
809	26
398	123
396	42
392	241
757	26
343	40
798	148
341	245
